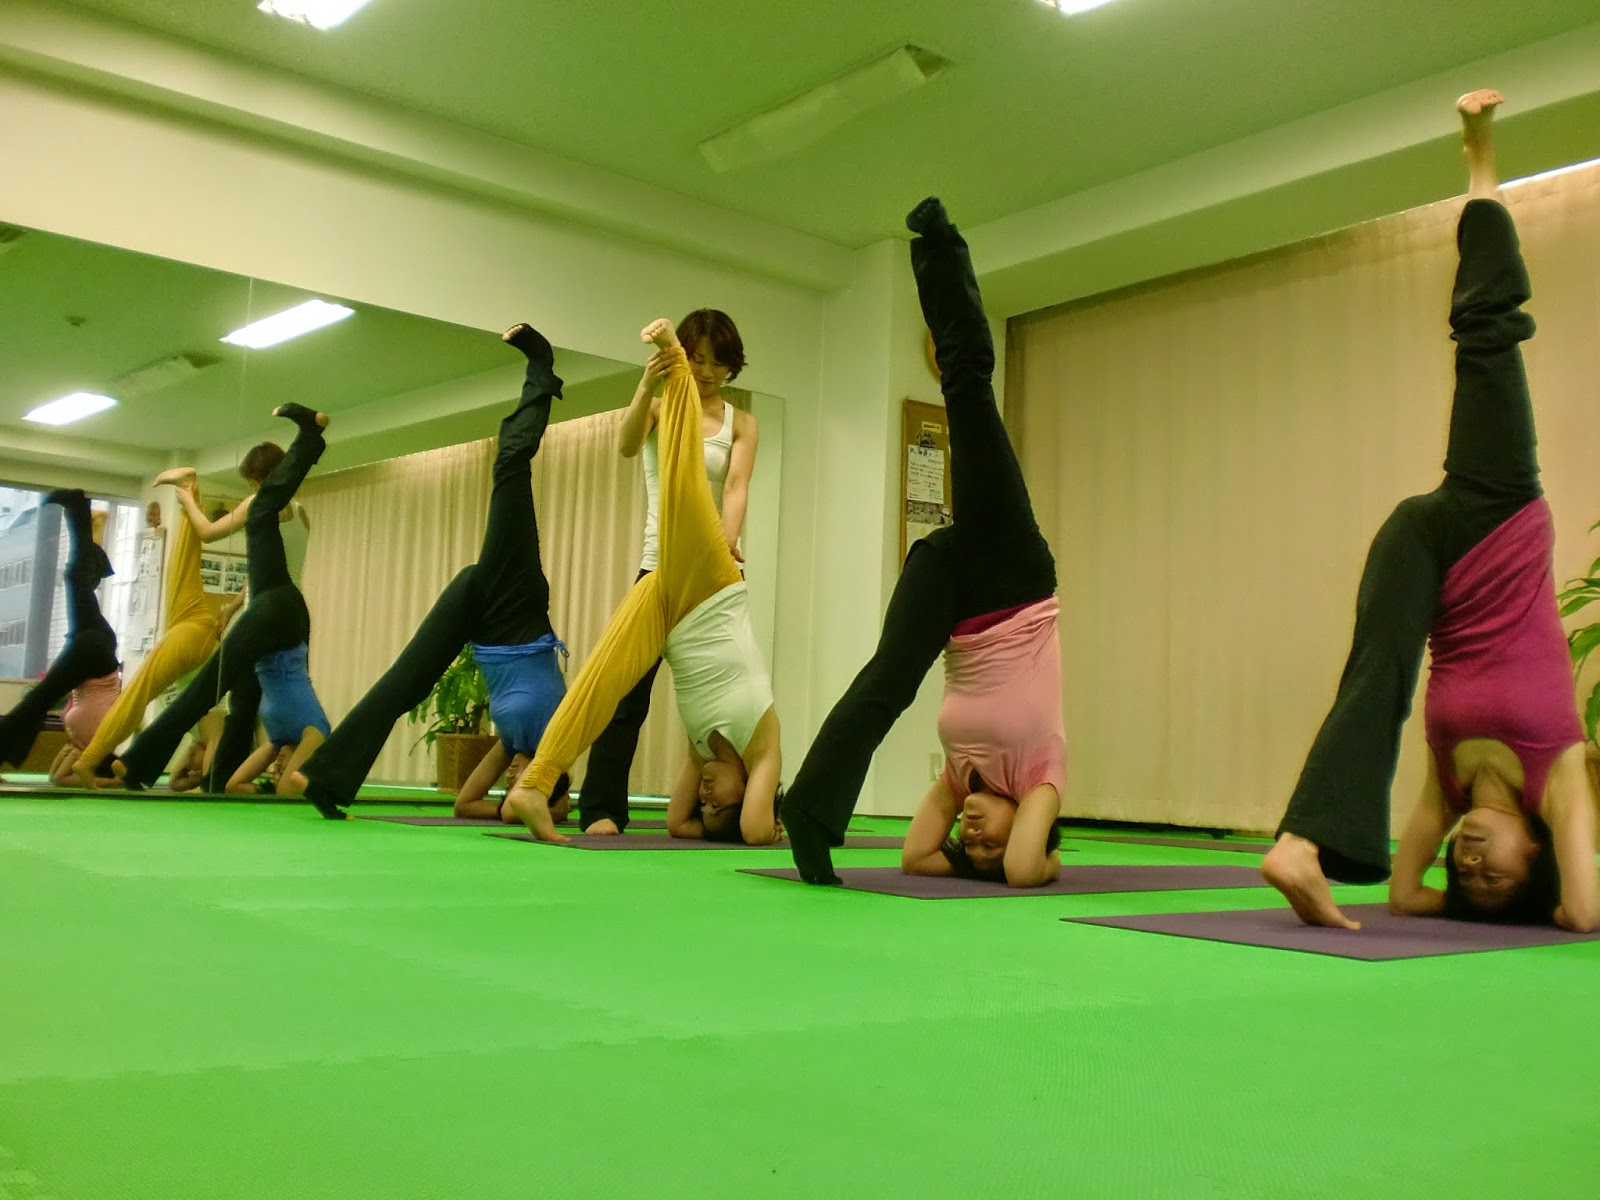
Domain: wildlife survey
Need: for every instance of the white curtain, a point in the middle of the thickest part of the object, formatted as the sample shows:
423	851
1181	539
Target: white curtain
1209	457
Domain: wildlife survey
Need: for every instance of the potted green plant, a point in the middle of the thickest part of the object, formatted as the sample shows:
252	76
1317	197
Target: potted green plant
1583	641
453	716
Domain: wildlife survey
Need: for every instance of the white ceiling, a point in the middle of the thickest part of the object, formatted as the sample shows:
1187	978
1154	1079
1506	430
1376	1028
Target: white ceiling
75	315
1035	107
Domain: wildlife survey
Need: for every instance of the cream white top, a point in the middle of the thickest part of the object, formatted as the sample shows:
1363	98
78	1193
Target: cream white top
719	449
718	671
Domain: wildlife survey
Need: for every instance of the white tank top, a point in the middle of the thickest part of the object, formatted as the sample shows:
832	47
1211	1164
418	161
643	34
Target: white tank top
719	449
718	672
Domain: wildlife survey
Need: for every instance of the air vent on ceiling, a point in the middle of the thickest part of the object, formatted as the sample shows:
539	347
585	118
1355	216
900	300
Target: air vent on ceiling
808	118
164	373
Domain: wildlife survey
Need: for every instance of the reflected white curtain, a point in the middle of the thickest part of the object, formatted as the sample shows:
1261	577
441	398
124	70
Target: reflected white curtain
386	538
1209	457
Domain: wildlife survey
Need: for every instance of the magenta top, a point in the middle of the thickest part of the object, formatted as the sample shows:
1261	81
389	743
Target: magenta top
1500	664
1001	716
87	707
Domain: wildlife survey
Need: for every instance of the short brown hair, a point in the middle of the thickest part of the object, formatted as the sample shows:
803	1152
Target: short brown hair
260	461
717	327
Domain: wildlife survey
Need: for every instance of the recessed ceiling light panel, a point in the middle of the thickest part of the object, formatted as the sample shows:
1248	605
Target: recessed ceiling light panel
69	409
319	14
1067	7
290	323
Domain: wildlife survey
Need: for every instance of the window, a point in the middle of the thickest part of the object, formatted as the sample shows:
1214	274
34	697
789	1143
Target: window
34	544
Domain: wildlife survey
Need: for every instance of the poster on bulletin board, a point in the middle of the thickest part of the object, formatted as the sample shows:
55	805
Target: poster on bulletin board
924	472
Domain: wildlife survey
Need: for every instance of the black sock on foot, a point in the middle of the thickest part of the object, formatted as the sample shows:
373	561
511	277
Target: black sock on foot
66	497
305	418
929	219
324	803
534	344
809	843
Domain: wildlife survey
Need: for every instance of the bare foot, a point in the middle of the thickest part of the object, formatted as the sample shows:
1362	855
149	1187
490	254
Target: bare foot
1293	868
1477	120
178	477
661	332
84	777
533	810
604	827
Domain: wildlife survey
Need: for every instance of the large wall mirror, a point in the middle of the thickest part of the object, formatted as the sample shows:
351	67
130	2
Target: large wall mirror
392	511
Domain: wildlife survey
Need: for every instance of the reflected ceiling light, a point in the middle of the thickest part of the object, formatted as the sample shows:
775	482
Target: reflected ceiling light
290	323
807	118
70	408
319	14
1068	7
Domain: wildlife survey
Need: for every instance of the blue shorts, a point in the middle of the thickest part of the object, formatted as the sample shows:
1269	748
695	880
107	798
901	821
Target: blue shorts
288	704
525	686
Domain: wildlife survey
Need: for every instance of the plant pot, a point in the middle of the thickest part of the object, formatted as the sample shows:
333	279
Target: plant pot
457	755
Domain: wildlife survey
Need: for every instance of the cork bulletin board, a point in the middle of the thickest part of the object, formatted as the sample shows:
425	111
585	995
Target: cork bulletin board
924	472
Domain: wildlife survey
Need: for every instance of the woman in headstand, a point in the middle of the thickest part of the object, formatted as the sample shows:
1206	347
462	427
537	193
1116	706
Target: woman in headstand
86	669
187	640
292	716
694	611
1467	568
981	591
276	618
716	356
238	738
501	605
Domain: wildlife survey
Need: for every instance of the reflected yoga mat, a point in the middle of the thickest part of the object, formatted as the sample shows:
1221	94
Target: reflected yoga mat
1382	937
1181	843
649	841
1074	881
488	822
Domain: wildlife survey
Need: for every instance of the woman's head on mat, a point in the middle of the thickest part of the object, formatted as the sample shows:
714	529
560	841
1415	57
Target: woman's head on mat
715	350
983	831
258	462
1501	866
721	799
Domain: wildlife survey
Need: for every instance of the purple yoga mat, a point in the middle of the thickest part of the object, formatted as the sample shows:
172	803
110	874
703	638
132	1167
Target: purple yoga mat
647	841
1181	843
1074	881
1382	936
491	822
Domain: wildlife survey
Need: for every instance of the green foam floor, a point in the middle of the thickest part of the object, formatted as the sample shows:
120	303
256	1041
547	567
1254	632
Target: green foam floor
231	1000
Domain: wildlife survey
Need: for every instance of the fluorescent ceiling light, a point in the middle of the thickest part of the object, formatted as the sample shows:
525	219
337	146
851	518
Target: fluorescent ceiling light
807	118
290	323
70	408
319	14
1069	7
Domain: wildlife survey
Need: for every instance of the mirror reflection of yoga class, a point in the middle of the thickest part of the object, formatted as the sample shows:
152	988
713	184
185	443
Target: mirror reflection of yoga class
166	378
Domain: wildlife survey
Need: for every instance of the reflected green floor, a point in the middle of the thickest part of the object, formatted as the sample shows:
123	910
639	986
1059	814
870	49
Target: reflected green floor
227	1000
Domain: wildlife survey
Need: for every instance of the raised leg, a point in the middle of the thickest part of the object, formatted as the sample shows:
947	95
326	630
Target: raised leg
1007	559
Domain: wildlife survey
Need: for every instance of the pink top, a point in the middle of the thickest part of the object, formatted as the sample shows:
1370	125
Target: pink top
1001	716
1500	664
88	706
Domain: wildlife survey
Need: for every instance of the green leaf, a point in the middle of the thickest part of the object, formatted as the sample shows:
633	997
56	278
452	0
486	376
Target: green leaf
1591	713
1572	602
1581	643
